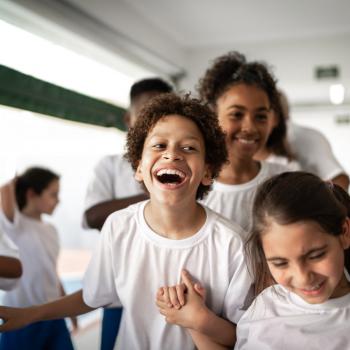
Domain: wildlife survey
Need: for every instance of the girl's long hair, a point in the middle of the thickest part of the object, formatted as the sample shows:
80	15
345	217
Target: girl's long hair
289	198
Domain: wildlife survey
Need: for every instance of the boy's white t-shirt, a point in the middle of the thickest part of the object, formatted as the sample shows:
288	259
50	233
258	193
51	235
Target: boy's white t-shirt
132	262
113	178
38	246
279	319
235	202
8	249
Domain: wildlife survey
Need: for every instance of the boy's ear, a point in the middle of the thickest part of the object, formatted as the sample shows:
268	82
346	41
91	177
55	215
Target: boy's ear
207	179
126	119
138	173
345	236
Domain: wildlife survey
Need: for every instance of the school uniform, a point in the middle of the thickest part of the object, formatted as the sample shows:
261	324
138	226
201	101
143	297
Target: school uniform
235	202
279	319
132	262
38	246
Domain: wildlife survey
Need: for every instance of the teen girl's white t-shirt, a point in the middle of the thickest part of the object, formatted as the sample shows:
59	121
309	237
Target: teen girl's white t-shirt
279	319
235	202
132	262
292	165
113	178
8	249
38	246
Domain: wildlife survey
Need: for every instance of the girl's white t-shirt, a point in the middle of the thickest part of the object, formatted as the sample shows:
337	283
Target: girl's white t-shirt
235	202
8	249
132	262
279	319
38	246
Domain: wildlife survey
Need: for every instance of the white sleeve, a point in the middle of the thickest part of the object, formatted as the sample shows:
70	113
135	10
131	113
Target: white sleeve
101	186
315	154
98	283
239	293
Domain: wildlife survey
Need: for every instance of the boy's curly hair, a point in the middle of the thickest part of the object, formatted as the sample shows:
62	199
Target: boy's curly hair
170	104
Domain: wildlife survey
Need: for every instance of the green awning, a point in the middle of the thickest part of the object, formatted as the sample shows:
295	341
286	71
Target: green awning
26	92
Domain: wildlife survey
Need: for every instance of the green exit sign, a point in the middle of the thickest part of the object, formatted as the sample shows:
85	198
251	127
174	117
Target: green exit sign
327	72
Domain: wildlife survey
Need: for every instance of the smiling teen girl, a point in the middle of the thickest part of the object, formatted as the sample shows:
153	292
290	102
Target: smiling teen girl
244	97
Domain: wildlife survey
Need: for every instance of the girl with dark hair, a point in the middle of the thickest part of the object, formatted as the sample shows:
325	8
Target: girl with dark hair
300	242
24	201
244	97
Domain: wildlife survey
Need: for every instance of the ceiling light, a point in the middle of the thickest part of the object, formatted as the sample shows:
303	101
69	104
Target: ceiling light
337	94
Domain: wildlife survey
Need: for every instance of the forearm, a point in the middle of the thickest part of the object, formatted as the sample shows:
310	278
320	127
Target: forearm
68	306
8	200
203	342
342	180
97	215
10	267
219	330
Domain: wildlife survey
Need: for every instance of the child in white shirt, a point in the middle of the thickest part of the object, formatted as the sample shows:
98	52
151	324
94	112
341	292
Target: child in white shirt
24	201
176	148
301	233
244	97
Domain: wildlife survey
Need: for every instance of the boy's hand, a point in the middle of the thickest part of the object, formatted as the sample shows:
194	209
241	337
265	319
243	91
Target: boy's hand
190	310
14	318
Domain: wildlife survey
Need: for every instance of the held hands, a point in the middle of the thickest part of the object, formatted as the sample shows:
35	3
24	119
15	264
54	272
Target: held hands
183	304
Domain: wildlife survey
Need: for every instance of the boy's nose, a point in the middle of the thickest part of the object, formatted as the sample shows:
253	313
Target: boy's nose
172	155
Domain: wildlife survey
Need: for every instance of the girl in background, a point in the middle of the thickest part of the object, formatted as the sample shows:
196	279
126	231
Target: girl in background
244	97
24	201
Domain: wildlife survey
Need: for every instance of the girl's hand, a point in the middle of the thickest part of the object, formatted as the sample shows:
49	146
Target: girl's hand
189	307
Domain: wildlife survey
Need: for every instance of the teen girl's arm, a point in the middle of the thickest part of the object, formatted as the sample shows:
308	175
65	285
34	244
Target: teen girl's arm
208	330
68	306
7	195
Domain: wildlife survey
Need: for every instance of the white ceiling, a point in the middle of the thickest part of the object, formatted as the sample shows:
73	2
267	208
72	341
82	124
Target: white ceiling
198	23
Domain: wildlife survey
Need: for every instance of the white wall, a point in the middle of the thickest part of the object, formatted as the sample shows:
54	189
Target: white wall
293	63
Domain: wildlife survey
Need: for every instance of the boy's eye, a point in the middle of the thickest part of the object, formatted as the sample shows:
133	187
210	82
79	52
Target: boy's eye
189	148
158	146
236	115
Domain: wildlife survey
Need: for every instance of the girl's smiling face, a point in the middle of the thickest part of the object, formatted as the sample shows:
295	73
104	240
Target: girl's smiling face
173	160
244	113
306	260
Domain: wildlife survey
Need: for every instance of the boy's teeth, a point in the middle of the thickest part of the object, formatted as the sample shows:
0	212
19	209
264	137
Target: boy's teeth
170	172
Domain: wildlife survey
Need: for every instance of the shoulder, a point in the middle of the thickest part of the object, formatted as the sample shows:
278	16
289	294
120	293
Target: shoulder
269	169
225	227
123	221
267	304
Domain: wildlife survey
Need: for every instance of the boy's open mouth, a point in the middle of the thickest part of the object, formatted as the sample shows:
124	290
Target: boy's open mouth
170	176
